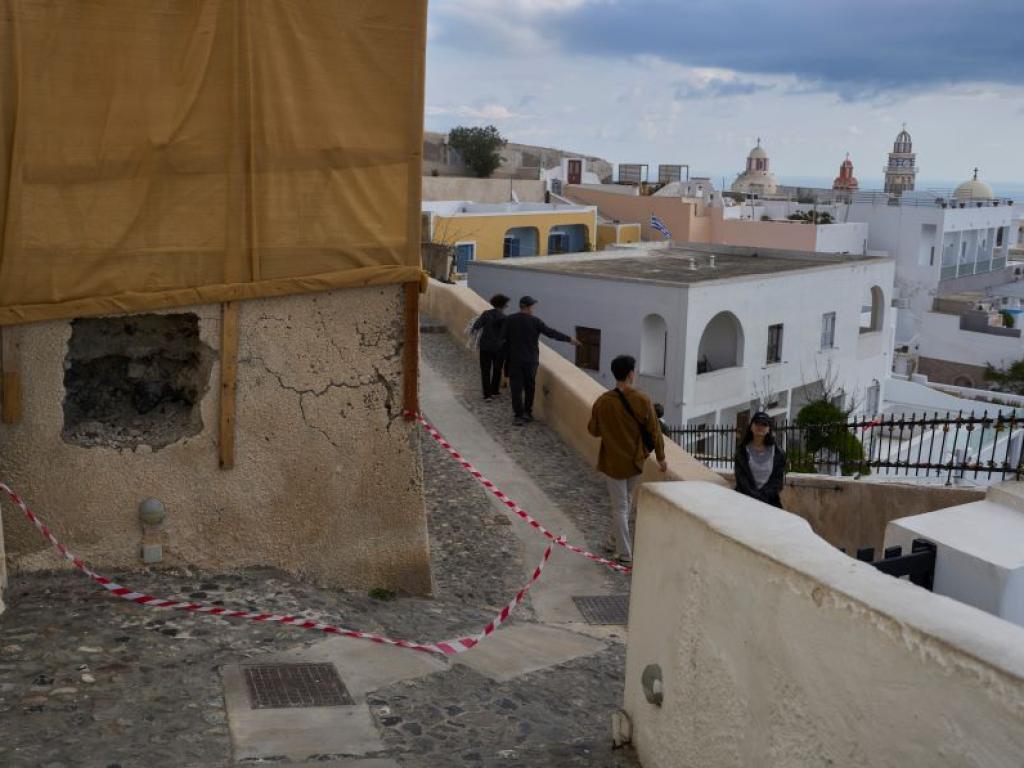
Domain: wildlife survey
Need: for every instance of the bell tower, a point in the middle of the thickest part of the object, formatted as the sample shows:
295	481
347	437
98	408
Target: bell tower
901	170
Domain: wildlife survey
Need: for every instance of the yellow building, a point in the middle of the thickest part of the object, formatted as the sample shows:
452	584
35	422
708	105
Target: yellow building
495	231
616	233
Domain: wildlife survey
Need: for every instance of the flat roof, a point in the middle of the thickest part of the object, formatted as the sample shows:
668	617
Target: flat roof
682	264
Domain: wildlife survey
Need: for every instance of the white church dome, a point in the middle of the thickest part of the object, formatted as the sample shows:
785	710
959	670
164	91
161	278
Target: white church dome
974	189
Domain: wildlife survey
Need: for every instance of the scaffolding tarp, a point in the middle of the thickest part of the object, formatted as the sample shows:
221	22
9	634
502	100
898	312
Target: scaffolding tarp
176	152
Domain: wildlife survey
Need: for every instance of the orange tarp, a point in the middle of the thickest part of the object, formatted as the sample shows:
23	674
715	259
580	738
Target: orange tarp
157	154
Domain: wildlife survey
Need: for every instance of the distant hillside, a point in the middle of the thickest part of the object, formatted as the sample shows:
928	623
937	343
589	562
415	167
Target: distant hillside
520	161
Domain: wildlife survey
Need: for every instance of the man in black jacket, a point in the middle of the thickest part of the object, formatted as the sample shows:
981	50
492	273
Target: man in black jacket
492	353
521	335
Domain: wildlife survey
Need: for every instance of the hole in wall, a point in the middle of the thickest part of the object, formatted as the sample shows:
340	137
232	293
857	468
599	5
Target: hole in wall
136	380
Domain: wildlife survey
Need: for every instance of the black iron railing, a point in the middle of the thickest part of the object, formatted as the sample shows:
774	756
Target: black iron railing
941	446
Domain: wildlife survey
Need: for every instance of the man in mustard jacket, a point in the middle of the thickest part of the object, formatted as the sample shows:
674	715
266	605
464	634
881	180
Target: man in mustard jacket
625	421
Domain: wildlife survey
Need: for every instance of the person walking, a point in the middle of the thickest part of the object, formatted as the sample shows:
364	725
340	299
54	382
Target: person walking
625	421
760	465
521	334
492	350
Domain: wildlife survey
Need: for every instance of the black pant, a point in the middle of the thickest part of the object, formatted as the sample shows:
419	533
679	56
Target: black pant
490	371
522	378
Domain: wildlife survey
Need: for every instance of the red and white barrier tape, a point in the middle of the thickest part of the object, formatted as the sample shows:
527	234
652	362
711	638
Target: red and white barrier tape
560	540
445	648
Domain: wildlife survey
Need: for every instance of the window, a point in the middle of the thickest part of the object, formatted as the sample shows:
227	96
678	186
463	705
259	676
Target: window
588	354
931	258
511	248
872	309
775	343
828	330
464	253
999	237
653	346
558	242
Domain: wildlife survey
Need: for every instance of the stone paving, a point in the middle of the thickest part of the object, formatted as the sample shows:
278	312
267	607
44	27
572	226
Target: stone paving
88	680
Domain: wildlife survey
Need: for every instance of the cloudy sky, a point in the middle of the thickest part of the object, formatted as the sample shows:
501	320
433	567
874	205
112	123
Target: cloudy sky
697	81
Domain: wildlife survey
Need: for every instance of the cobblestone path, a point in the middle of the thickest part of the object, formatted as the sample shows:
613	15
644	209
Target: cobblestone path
88	680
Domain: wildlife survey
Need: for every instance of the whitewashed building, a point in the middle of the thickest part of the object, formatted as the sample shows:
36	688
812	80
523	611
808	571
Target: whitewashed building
717	331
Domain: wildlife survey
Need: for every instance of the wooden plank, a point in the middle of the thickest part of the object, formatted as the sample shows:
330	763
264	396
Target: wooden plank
10	394
228	378
411	349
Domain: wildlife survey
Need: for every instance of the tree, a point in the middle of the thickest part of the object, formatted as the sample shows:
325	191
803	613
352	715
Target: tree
825	429
811	217
478	148
1009	379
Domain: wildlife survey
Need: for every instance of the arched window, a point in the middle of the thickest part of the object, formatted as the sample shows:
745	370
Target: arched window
872	310
721	344
653	346
521	241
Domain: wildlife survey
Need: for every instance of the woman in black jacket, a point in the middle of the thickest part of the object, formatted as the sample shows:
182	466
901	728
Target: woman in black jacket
760	465
492	349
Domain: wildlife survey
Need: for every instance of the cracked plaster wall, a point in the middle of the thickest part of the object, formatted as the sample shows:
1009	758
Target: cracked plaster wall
327	481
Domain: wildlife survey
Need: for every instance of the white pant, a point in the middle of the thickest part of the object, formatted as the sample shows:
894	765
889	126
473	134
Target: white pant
623	501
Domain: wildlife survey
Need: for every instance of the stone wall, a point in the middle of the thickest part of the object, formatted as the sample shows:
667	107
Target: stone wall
950	372
327	477
850	514
774	649
437	188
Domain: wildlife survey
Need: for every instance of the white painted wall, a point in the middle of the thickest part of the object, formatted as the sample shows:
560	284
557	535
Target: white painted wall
850	237
942	338
778	650
979	560
798	299
907	232
616	308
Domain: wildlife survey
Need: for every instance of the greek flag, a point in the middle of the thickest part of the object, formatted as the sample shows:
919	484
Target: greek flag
657	224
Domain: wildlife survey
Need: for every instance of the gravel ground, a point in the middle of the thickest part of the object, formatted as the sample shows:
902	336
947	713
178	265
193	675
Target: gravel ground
89	680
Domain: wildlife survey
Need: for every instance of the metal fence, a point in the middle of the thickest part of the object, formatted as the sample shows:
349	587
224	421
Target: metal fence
942	446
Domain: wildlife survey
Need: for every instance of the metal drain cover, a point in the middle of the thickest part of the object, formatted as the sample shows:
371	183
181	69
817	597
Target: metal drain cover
604	609
283	686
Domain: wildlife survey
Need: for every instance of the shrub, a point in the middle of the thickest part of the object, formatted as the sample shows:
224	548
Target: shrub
478	148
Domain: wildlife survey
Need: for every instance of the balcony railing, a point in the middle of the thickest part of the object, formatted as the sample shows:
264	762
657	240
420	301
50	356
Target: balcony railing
940	446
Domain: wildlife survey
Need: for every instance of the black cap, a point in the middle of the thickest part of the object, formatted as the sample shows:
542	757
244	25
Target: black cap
527	301
762	417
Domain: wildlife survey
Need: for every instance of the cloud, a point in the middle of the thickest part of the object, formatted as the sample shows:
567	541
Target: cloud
495	112
717	87
859	50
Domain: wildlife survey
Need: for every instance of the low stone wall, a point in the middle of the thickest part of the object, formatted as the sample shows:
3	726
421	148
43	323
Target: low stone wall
851	514
565	394
481	190
327	482
774	649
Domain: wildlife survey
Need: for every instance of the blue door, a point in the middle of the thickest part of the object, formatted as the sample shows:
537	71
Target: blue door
511	247
464	253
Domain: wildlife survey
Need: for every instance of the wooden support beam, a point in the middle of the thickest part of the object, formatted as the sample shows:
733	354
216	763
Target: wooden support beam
411	349
10	394
228	378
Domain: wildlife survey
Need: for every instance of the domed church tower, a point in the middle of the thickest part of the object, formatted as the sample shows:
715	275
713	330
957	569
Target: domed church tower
900	172
756	179
845	181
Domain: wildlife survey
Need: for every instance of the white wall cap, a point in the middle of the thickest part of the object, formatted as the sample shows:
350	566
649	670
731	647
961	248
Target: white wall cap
789	541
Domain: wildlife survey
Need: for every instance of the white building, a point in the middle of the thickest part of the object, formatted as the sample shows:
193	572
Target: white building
941	245
718	331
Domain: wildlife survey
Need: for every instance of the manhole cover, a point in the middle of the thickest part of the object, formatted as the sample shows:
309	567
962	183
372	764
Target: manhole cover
604	609
281	686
